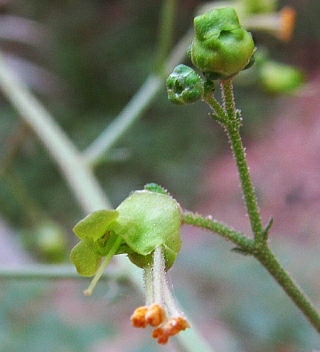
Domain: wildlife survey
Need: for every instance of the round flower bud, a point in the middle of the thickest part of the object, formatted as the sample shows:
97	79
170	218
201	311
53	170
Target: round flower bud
184	86
221	47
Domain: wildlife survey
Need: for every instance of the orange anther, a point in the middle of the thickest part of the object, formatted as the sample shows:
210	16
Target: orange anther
155	315
161	336
174	325
138	318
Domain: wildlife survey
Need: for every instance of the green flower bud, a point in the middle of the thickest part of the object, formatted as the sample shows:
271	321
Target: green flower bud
278	78
184	86
146	221
221	47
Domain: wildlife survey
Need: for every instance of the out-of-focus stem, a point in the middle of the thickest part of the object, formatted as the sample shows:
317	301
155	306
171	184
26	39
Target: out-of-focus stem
78	175
135	108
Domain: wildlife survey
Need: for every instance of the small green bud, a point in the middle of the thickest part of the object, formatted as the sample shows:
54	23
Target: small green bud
221	47
278	78
184	86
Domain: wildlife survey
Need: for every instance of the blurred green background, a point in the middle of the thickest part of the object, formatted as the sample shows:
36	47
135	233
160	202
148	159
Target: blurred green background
85	60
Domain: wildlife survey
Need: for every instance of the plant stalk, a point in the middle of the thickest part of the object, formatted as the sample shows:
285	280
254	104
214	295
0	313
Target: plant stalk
232	126
270	262
230	119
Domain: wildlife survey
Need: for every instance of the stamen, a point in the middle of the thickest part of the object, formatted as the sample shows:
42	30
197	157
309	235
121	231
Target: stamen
159	298
158	275
138	318
155	315
172	327
148	285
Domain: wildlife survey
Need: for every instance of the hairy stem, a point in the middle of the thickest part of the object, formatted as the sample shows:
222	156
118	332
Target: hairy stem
226	88
232	126
244	243
269	261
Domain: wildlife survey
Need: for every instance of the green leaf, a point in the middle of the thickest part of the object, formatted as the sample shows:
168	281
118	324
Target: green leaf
95	225
85	258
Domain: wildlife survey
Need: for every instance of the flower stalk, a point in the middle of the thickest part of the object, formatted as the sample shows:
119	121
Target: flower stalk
233	131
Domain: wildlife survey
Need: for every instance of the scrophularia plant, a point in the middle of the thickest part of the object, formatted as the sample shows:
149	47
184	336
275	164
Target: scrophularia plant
146	225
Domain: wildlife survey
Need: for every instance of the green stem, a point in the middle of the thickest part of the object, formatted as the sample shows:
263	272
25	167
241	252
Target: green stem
227	116
165	34
219	113
245	180
232	126
270	262
226	88
244	243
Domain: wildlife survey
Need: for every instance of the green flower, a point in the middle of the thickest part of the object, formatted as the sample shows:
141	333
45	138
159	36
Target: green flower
143	222
221	47
145	226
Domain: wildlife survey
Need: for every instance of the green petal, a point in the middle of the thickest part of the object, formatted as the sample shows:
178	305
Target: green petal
95	225
85	259
142	261
148	220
